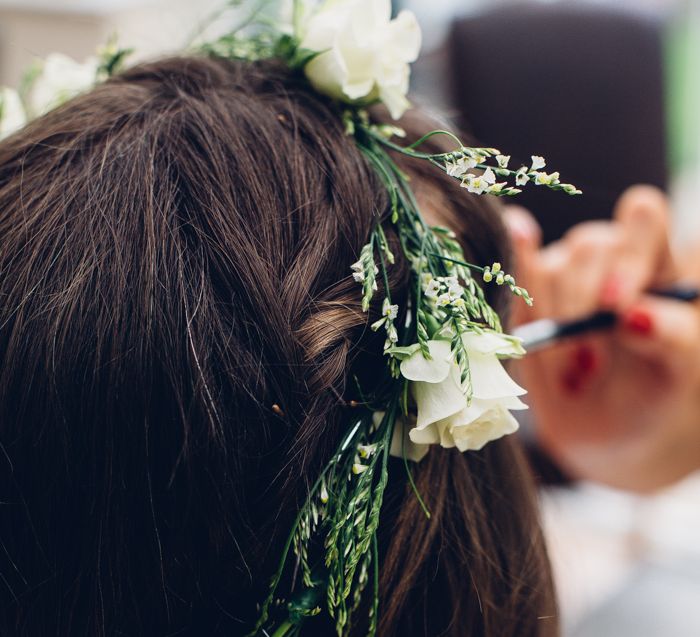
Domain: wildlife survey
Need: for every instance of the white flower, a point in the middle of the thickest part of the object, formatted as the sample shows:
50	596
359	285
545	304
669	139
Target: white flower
389	310
543	179
489	176
460	167
364	55
444	299
537	162
503	160
443	415
358	468
521	178
12	115
60	79
453	286
431	290
477	185
365	451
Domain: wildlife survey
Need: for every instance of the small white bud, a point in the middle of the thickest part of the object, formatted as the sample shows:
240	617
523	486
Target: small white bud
537	162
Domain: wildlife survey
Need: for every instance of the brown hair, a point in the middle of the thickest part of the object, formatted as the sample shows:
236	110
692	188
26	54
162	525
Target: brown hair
174	262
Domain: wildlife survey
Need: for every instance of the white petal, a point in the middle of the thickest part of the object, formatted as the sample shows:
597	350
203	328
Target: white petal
12	116
395	100
433	370
490	379
489	342
427	436
494	424
404	37
437	401
358	89
327	73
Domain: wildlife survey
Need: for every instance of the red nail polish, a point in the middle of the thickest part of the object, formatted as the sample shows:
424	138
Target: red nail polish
639	322
585	359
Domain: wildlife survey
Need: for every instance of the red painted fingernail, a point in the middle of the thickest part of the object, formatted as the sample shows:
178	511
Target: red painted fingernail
610	293
585	359
639	322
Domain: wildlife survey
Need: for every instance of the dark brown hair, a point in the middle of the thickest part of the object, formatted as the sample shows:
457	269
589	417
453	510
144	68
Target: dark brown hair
177	322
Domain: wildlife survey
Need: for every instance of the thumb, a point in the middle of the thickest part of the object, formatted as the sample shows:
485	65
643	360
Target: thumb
663	329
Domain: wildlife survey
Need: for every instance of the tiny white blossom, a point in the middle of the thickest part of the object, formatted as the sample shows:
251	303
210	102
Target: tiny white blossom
521	178
453	286
389	310
489	176
460	167
537	162
444	300
324	493
543	179
366	451
392	334
478	158
473	184
359	468
358	277
488	276
503	160
432	289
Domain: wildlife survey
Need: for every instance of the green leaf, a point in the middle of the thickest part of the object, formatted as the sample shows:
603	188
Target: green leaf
403	352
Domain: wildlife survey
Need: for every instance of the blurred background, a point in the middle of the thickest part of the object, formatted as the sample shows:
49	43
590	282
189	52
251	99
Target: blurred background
609	92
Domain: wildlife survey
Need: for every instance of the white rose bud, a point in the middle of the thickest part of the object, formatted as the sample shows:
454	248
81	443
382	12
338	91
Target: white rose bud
364	55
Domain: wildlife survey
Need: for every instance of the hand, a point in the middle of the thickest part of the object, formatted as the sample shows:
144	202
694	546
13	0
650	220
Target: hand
621	407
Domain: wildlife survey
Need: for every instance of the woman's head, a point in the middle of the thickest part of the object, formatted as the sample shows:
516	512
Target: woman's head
178	336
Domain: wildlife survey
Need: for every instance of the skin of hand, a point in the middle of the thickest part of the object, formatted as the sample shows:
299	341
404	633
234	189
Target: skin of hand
620	407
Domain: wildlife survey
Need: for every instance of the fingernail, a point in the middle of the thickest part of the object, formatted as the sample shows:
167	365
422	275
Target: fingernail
638	321
585	359
521	227
610	294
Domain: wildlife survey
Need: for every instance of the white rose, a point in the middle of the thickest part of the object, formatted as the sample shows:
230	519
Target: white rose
364	54
12	115
443	415
60	79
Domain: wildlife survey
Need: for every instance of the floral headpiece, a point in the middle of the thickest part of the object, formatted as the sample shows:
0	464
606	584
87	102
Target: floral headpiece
446	384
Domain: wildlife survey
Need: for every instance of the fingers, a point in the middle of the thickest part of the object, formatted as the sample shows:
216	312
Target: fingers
578	266
644	257
663	330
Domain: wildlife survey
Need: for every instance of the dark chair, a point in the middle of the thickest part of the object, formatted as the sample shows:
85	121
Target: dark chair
580	85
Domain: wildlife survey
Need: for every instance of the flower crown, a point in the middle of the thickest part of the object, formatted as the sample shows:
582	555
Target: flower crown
445	382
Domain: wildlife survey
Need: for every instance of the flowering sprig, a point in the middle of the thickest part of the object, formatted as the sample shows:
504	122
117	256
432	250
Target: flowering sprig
460	162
